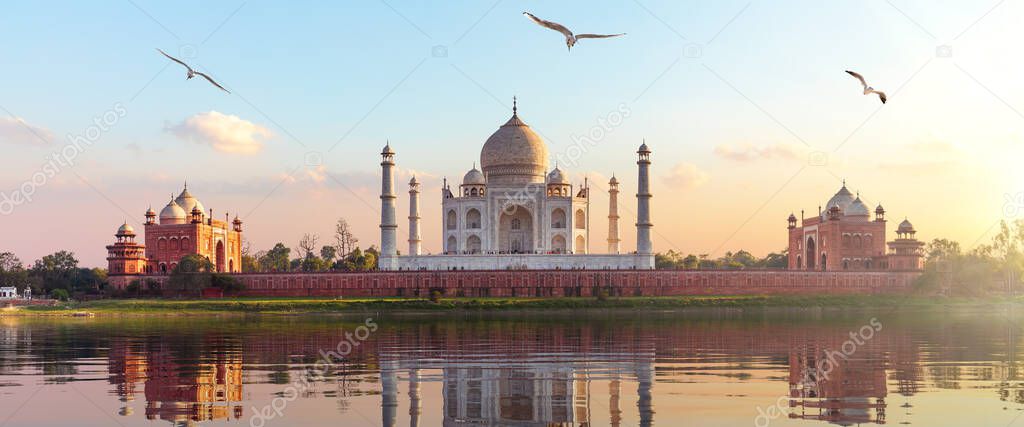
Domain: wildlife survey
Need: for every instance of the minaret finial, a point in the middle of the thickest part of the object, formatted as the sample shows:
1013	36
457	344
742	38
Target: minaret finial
844	182
186	183
515	108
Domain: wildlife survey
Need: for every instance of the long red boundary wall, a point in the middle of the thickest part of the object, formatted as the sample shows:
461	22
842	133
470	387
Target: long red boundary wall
556	283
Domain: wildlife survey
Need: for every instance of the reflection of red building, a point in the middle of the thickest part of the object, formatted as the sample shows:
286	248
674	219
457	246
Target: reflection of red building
824	385
184	228
177	390
844	237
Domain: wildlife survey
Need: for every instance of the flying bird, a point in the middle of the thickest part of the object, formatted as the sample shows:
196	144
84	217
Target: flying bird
867	89
192	73
570	38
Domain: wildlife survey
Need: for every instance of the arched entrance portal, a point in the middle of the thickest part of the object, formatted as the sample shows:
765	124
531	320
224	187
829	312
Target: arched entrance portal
515	230
220	256
812	253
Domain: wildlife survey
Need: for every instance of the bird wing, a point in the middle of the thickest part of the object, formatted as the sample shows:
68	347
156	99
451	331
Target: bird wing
597	36
173	58
881	95
548	24
859	77
211	81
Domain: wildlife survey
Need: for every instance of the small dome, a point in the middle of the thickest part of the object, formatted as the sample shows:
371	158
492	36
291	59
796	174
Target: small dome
474	177
150	212
879	210
125	230
557	177
387	149
792	217
236	220
643	148
613	181
857	208
905	227
413	181
172	214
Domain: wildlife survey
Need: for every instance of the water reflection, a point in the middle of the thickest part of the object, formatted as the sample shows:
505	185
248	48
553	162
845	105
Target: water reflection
517	371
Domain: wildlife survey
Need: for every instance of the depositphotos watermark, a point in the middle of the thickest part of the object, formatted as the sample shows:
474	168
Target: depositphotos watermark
822	370
61	159
312	374
1013	204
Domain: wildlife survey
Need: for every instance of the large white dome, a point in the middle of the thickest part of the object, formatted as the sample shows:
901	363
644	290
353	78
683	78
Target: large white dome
514	154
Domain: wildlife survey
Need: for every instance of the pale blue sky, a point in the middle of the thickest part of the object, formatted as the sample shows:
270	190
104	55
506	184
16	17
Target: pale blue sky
771	80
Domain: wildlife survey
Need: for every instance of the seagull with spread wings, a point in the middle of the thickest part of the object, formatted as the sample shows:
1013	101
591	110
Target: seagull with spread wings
867	89
570	38
192	73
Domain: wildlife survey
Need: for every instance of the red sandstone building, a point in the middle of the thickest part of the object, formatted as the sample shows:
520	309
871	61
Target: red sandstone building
844	237
184	228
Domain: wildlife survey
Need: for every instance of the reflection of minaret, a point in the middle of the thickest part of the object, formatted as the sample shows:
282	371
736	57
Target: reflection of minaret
389	393
414	398
613	216
644	403
614	413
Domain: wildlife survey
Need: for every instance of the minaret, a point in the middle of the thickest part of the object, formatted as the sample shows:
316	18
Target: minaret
643	202
414	217
613	215
388	224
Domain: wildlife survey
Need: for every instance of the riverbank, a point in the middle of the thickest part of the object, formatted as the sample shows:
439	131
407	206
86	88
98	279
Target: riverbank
240	306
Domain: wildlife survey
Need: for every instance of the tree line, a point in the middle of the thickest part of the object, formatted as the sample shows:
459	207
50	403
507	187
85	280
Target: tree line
740	260
343	255
989	268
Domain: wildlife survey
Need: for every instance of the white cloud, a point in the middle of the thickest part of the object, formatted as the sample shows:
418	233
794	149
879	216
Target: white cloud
686	176
223	132
17	130
748	152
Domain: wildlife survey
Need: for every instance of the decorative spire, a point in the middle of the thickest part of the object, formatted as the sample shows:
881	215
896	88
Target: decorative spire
515	108
186	184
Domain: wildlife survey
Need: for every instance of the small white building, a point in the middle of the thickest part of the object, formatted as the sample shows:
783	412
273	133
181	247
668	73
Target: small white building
8	292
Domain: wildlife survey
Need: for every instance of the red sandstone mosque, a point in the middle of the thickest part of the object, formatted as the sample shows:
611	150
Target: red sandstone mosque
844	237
184	228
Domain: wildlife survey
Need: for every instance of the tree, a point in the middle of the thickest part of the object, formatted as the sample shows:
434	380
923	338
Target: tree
344	240
192	274
328	253
12	271
276	259
308	244
56	271
249	260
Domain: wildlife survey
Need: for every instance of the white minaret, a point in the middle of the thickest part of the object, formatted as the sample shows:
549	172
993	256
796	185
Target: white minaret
414	217
643	202
613	215
388	224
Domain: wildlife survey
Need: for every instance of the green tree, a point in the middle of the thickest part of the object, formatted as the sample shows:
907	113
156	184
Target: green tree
328	254
57	271
192	274
12	271
276	259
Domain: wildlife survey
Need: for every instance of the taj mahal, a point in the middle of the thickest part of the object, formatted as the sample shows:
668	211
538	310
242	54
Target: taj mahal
515	213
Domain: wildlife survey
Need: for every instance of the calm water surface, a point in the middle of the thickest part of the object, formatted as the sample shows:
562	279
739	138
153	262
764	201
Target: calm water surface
714	368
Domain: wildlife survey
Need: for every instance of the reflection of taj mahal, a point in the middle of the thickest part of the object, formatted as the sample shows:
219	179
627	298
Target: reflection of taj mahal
515	213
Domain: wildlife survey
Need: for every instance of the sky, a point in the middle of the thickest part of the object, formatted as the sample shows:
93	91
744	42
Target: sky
744	104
